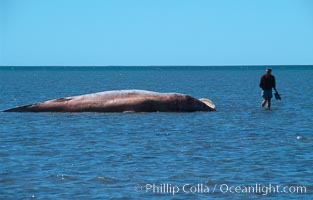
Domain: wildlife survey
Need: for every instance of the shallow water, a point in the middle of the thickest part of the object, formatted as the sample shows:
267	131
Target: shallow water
120	156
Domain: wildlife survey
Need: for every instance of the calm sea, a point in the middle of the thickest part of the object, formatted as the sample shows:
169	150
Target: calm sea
240	152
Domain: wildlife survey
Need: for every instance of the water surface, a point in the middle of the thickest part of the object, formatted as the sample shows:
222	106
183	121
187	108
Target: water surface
116	156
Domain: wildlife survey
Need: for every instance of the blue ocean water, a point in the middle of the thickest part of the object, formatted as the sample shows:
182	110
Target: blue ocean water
199	155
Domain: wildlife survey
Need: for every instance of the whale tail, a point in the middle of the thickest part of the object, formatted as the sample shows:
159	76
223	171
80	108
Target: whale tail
208	102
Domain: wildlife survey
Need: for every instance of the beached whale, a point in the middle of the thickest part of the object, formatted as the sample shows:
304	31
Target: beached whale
121	101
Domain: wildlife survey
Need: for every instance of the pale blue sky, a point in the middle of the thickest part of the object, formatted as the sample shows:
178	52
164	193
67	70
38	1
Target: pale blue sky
160	32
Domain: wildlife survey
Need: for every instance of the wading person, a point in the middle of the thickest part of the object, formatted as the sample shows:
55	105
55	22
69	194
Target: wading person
267	83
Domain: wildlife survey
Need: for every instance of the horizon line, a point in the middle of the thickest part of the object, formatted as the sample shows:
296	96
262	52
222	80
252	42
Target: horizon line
256	65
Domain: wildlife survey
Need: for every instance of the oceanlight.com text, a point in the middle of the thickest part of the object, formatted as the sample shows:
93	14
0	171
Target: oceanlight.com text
201	188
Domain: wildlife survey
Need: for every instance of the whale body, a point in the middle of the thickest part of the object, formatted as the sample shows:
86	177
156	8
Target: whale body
121	101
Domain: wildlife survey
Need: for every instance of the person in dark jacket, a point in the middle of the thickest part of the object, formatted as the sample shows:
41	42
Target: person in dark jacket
267	83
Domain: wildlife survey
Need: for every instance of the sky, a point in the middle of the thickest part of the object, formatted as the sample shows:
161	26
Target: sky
160	32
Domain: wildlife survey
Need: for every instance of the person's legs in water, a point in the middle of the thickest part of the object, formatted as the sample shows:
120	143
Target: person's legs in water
267	95
264	102
269	103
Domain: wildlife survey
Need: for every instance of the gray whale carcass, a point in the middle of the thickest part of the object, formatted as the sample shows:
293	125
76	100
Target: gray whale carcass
121	101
